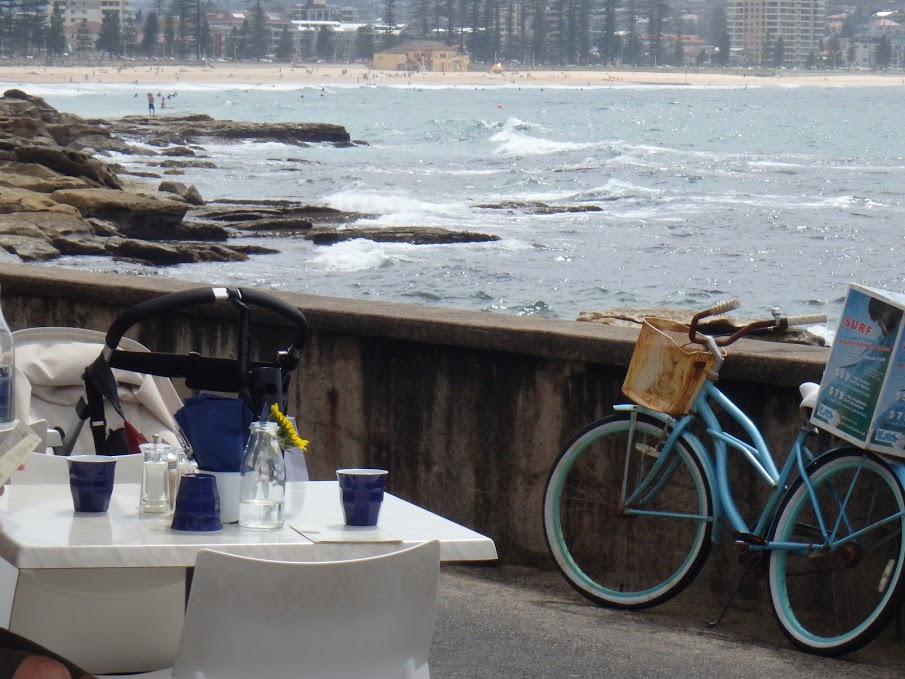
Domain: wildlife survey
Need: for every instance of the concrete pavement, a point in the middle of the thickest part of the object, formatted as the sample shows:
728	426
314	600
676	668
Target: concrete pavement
510	622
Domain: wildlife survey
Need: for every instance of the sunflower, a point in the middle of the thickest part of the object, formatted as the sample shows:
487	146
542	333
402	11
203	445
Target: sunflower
288	436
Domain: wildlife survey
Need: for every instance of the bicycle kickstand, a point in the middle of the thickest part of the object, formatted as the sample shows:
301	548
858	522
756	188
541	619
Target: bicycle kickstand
738	586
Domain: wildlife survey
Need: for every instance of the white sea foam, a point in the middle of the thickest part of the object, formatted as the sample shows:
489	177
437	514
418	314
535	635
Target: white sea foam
355	255
512	140
395	204
615	188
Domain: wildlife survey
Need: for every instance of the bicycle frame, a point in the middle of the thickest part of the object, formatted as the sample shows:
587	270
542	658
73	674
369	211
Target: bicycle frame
716	465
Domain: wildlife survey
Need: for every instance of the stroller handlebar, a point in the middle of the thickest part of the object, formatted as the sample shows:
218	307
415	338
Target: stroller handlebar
196	296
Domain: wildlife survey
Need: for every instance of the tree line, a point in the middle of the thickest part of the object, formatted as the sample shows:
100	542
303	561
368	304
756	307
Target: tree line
564	32
528	31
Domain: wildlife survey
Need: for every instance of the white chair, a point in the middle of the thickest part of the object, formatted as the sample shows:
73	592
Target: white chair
367	618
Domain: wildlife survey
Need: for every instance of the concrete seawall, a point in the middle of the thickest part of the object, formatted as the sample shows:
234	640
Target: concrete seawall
467	410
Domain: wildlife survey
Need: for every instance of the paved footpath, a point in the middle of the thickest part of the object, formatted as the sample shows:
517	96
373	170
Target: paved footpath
510	622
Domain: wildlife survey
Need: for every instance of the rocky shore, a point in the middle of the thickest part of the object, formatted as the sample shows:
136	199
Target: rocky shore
58	197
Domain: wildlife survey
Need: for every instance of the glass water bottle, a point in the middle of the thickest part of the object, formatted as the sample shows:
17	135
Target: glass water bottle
262	483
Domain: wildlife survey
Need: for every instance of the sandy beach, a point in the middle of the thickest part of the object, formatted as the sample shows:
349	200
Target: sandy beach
148	73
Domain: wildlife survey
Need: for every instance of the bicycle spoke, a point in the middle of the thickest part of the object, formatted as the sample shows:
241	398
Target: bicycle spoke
631	558
835	598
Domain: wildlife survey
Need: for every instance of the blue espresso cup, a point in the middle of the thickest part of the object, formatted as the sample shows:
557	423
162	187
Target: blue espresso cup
91	482
361	493
197	505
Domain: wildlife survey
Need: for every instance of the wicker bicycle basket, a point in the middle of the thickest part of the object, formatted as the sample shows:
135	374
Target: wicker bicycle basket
667	369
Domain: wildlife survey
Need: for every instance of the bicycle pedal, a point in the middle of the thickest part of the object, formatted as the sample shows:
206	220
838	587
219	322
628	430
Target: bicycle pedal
750	539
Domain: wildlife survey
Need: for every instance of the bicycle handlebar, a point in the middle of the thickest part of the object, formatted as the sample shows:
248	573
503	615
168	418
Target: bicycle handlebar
807	319
776	323
721	307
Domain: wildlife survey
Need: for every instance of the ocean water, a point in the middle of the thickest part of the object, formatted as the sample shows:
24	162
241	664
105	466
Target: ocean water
777	196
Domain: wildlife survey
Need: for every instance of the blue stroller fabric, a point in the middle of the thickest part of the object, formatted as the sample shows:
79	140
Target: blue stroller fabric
217	429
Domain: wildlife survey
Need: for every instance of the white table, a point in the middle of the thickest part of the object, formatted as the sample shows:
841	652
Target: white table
108	590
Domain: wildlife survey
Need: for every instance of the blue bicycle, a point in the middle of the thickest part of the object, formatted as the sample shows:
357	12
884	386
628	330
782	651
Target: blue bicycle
634	501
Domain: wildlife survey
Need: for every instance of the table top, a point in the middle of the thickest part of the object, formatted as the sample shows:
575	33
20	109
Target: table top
39	529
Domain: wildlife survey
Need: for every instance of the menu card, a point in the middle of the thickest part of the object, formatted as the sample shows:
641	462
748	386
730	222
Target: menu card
342	533
15	445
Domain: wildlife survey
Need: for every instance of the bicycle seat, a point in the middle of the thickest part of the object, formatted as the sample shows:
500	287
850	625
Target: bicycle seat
809	394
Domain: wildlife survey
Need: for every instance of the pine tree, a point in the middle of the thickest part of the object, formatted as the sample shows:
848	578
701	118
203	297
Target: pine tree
538	31
150	35
365	42
811	61
609	43
884	53
169	36
389	20
657	12
110	40
779	53
325	45
205	39
7	29
56	33
725	49
25	25
285	48
421	14
718	24
260	36
678	59
632	51
83	40
129	33
182	15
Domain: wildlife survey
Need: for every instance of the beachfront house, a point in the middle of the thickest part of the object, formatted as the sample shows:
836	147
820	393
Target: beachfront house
421	55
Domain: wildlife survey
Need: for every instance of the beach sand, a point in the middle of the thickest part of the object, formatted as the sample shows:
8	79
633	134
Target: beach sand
152	73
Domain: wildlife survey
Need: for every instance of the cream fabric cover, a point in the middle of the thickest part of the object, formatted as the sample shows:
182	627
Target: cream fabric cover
48	384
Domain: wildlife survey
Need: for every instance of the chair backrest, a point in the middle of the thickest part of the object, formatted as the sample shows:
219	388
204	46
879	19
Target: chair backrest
369	618
43	468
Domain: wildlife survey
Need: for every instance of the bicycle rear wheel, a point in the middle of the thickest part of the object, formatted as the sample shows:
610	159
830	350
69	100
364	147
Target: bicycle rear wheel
832	599
616	550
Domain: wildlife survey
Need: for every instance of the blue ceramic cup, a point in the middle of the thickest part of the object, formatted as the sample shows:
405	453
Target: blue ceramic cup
361	493
197	504
91	482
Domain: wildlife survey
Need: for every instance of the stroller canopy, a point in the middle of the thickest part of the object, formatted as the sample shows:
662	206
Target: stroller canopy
50	363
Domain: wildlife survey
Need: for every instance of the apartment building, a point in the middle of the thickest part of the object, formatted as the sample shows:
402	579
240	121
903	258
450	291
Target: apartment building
92	11
755	27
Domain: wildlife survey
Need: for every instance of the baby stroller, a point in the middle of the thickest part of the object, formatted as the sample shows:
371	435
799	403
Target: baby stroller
116	388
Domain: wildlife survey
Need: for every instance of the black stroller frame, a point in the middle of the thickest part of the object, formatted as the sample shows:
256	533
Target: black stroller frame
258	384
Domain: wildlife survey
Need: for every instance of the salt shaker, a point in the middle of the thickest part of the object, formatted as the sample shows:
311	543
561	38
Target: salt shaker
155	491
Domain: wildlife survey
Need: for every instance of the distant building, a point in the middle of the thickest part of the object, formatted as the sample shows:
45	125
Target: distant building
881	27
90	10
319	10
756	26
421	55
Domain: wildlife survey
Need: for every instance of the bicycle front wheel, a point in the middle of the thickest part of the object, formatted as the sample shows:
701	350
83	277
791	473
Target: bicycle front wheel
622	536
831	596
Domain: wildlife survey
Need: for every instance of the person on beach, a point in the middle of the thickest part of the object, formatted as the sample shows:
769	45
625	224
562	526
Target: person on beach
150	103
163	102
